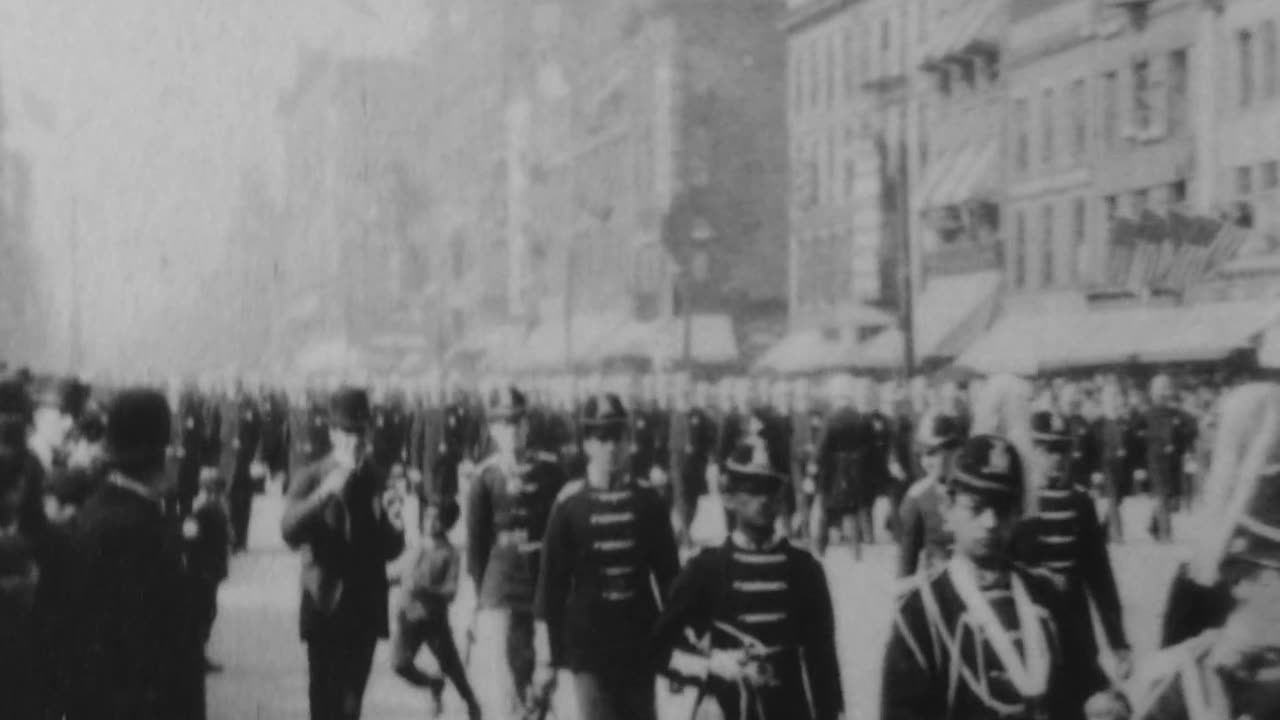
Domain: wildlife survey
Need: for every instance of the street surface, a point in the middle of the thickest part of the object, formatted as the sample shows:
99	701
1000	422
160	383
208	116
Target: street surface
264	676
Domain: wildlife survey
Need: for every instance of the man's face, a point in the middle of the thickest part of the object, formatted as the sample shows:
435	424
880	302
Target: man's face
348	445
937	463
754	510
603	447
52	425
981	528
509	435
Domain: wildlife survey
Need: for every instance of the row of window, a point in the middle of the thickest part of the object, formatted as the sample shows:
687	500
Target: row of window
828	67
823	168
1051	127
1048	244
1255	178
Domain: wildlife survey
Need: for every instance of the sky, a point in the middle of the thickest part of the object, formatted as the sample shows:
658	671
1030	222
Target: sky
144	116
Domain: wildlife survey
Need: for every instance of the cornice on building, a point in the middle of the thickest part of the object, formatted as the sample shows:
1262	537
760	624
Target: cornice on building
801	15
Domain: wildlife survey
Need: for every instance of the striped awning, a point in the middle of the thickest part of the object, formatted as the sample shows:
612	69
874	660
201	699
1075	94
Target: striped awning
950	313
964	174
1032	344
809	351
976	24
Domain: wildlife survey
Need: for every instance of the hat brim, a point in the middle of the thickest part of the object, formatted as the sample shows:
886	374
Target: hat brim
752	481
966	482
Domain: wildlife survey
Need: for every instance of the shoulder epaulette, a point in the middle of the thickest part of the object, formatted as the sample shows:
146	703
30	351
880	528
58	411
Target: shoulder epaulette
570	488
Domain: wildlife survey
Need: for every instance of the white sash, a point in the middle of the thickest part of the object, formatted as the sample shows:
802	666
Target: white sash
1028	671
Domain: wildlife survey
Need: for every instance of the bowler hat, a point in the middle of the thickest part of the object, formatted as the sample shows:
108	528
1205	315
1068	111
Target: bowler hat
505	403
349	409
988	466
138	425
602	410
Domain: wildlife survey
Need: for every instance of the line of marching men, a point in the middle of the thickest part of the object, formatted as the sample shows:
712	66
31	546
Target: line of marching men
1010	611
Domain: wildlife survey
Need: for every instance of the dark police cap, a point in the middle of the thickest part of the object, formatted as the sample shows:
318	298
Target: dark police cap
66	394
603	410
939	432
349	409
139	425
505	403
988	466
755	465
1049	431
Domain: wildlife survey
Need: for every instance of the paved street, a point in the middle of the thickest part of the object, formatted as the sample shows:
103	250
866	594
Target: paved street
265	677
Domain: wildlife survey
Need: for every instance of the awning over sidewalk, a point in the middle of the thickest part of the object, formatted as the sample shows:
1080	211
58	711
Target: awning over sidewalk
951	313
1031	344
962	175
712	341
809	351
544	348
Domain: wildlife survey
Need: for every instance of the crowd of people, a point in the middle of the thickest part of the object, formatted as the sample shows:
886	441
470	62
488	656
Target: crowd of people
580	502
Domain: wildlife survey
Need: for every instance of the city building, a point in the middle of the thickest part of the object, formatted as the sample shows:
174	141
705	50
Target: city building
1053	224
671	187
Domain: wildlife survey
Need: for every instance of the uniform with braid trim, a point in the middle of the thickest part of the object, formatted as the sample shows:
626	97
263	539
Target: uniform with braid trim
941	664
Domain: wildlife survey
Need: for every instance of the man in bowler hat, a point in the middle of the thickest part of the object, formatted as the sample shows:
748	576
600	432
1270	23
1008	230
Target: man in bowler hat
130	657
347	524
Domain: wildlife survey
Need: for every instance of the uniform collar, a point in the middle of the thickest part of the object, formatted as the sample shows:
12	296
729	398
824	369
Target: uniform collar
741	541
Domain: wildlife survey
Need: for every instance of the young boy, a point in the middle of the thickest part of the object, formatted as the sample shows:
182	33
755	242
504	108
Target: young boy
428	578
760	607
207	532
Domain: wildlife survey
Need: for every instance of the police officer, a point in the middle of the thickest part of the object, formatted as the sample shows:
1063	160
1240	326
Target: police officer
980	637
508	504
1170	432
693	440
762	606
807	423
243	424
923	539
1066	542
844	455
609	545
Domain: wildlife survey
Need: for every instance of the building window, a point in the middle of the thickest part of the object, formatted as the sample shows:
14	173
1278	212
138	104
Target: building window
833	74
1079	231
1046	264
1022	128
1270	175
886	40
1110	206
965	73
1141	201
1047	116
1141	87
1244	180
1110	104
1244	59
1270	85
1079	121
850	71
1178	92
1020	251
943	77
1178	193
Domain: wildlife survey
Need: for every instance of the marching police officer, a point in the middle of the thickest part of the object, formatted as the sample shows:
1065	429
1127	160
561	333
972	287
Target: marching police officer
980	638
693	441
762	605
507	507
1170	432
609	545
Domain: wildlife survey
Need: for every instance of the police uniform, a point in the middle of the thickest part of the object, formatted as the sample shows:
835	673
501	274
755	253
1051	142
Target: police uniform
606	550
1117	462
1065	540
1170	432
768	603
246	434
507	509
964	649
805	434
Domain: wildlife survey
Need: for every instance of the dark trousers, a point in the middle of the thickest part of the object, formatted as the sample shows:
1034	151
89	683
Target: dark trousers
204	609
436	634
241	503
338	667
615	695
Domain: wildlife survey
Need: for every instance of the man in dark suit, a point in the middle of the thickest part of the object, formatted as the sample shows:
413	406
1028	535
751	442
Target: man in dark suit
245	432
347	524
1170	432
131	655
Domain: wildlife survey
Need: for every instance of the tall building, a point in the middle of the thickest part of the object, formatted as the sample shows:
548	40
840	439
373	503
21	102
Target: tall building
846	122
674	159
358	192
1053	221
